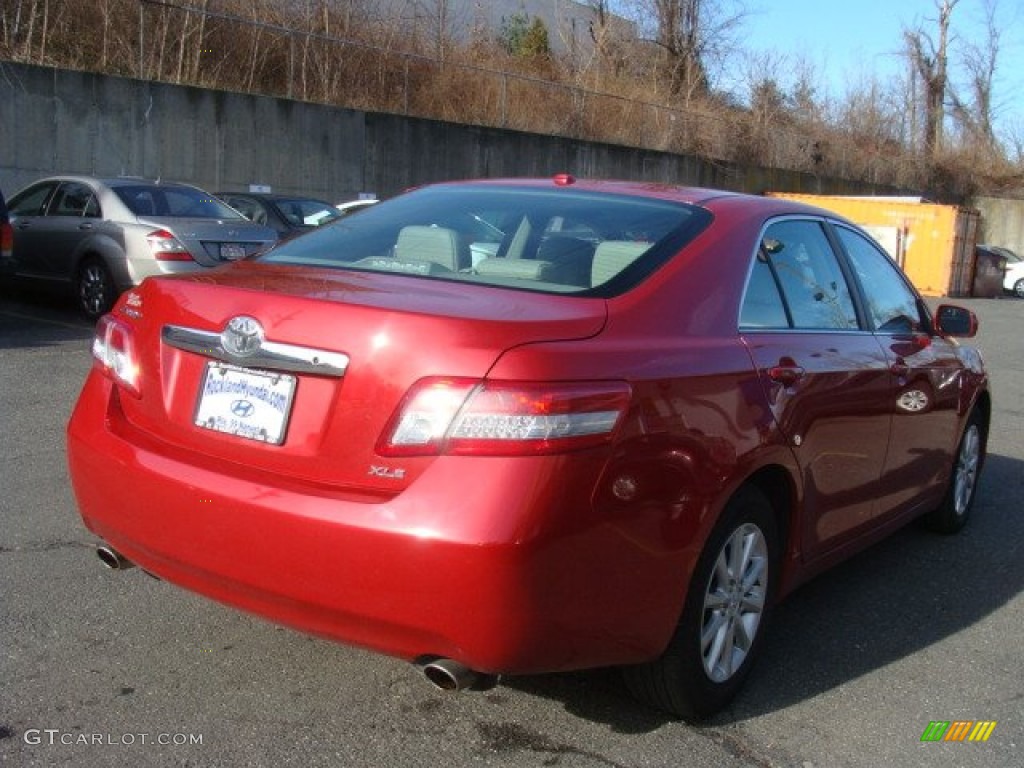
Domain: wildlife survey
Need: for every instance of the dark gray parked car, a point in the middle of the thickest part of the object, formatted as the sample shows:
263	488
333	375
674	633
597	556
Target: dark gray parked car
99	237
290	215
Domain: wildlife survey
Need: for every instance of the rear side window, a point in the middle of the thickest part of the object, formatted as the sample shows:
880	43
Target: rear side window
74	199
762	305
30	202
551	240
797	282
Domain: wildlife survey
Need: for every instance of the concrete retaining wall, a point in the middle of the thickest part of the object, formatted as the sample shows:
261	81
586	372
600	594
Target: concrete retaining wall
59	121
1002	222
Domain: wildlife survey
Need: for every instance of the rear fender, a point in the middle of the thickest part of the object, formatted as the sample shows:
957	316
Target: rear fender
105	247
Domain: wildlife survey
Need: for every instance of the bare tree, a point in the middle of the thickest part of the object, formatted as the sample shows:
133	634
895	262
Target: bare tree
930	59
436	17
612	49
694	36
974	113
868	116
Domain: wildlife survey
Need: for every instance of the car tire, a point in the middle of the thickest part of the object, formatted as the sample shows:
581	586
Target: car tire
696	677
954	511
94	288
1018	288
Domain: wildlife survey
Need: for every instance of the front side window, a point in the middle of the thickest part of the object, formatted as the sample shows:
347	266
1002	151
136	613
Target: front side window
551	240
797	281
891	305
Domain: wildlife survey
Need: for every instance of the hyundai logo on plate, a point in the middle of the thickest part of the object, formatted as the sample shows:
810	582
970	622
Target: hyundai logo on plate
242	408
242	336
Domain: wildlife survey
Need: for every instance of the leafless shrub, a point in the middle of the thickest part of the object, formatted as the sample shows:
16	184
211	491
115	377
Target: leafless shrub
356	54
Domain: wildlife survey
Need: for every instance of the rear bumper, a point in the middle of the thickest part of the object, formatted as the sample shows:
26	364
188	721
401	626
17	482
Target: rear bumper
503	565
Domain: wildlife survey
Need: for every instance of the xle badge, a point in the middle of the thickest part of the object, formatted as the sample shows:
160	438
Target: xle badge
388	472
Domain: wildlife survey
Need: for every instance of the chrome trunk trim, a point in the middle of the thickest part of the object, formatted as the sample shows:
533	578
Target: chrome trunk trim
270	355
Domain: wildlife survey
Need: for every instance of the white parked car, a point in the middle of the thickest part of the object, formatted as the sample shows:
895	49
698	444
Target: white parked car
1013	278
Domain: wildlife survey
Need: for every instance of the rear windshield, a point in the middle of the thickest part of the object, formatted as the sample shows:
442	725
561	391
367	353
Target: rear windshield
552	240
182	202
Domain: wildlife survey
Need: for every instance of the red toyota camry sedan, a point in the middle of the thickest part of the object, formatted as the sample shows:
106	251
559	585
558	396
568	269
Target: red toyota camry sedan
520	426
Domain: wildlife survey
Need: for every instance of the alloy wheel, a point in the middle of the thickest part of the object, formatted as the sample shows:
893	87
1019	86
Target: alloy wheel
734	602
94	289
967	469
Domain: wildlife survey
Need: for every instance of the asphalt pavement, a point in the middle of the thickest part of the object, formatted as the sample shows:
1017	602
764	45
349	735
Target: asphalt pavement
100	668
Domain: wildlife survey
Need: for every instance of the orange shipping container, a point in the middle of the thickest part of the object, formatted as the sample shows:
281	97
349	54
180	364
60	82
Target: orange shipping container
933	243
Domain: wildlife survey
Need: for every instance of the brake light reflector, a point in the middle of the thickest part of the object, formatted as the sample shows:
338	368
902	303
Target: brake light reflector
6	239
114	349
503	418
166	247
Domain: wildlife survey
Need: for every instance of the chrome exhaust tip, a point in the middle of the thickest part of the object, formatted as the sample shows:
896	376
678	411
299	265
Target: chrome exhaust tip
113	559
450	675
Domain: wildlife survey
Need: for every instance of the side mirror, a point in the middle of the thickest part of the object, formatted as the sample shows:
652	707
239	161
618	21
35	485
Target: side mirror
951	320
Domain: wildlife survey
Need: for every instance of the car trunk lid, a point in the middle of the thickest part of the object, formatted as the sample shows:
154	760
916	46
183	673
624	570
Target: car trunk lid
214	241
361	341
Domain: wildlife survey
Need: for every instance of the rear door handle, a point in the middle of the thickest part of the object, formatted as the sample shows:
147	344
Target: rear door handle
787	375
900	368
85	225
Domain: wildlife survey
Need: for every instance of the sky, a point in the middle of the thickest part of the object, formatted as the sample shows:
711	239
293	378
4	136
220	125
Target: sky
853	41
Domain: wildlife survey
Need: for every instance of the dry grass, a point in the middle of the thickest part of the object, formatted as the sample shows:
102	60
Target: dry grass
342	55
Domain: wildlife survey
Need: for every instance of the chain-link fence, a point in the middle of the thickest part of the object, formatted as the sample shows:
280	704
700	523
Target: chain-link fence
163	41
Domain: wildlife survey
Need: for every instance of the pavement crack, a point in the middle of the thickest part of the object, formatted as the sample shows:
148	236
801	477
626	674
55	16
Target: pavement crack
736	747
44	546
510	737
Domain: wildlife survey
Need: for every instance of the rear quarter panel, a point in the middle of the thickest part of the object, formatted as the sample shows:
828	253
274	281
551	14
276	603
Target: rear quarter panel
698	427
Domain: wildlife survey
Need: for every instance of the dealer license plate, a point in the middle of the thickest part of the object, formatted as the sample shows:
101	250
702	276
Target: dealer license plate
246	403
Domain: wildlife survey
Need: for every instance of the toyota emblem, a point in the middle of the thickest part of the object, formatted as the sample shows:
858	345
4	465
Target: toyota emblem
242	336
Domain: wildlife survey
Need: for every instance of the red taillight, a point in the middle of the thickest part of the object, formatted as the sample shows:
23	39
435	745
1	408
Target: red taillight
166	247
503	418
113	347
6	239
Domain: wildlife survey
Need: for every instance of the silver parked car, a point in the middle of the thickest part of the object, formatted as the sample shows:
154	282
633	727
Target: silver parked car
102	236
